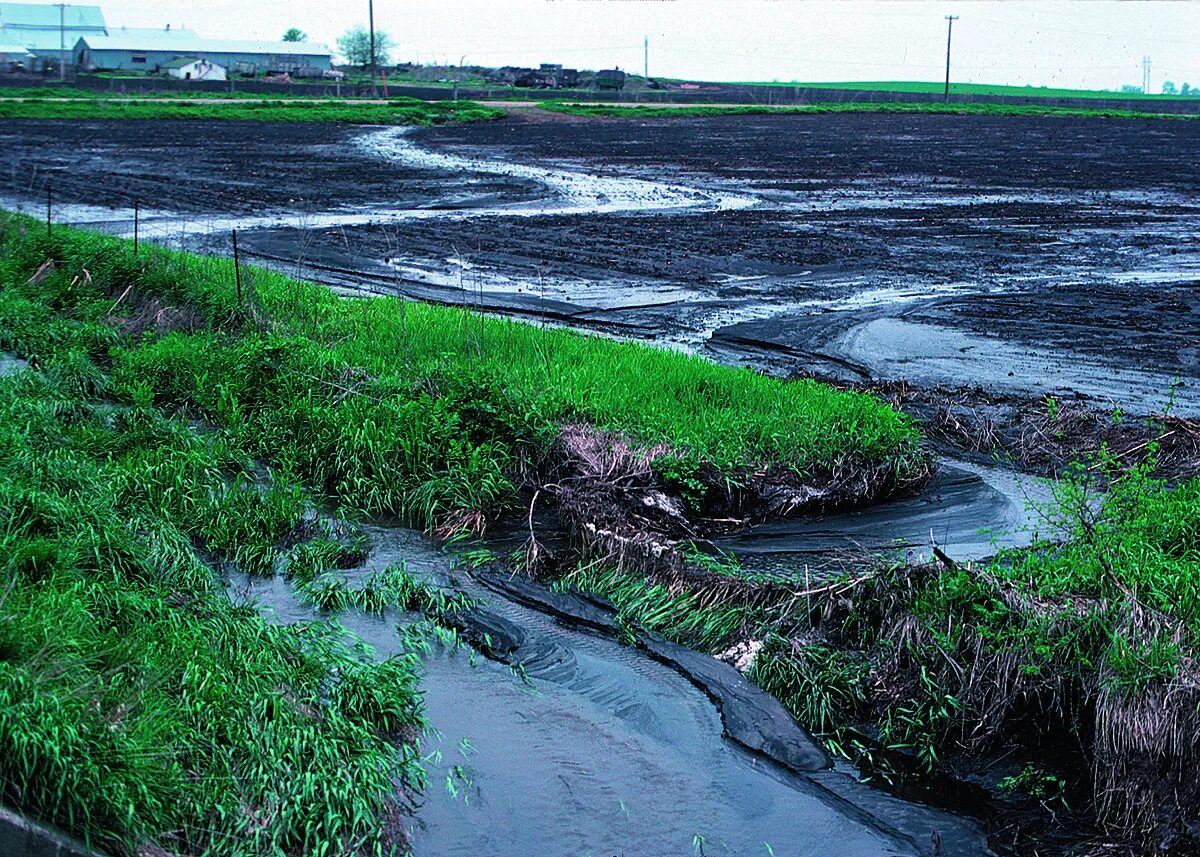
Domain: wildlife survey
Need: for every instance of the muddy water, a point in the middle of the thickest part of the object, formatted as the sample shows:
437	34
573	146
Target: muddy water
600	750
969	510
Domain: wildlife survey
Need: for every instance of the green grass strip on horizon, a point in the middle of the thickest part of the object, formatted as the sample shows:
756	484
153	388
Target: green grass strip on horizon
657	112
395	112
937	87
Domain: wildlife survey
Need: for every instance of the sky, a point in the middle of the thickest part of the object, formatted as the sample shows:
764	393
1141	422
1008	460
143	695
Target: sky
1087	44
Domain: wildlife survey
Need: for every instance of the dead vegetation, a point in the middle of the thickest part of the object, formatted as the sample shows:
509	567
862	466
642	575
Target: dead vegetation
1047	435
616	507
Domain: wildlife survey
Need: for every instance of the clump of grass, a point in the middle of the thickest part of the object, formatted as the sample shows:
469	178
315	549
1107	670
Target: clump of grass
394	587
678	614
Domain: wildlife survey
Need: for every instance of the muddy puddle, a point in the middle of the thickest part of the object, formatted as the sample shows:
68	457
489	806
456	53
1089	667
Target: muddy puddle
598	749
969	510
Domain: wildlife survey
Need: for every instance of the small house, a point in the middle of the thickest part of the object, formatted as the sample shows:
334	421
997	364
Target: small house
193	68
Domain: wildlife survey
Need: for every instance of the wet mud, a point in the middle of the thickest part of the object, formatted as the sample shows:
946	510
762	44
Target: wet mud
1026	255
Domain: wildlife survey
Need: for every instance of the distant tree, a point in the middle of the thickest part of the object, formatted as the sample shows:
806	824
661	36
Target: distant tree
1168	88
1129	87
1186	89
355	46
295	34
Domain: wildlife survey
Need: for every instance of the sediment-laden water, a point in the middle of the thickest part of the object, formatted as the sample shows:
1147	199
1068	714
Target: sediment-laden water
596	748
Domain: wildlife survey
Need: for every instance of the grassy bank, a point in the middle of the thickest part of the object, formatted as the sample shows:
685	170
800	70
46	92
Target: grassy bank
395	112
434	413
652	112
1065	674
139	707
137	704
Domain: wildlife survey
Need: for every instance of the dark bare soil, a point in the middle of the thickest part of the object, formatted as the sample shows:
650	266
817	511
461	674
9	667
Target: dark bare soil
1024	254
214	167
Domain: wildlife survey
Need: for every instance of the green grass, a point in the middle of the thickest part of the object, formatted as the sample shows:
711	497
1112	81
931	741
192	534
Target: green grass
139	707
969	89
652	112
395	112
429	412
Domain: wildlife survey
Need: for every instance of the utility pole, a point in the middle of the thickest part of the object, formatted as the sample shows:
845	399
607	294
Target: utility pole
950	19
1145	75
371	17
646	57
62	42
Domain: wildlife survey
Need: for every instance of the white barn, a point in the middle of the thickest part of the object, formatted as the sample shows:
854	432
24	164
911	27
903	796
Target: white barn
192	68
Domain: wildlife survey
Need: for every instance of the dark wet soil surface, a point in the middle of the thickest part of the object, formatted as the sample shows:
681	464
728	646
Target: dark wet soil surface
215	167
1024	254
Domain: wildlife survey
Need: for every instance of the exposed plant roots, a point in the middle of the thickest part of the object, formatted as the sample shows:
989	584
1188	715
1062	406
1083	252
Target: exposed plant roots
613	503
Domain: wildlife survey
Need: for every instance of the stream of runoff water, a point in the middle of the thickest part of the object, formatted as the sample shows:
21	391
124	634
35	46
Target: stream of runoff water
598	749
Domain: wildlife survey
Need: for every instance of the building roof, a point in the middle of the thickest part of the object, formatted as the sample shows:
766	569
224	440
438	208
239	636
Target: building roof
41	40
157	40
183	62
139	32
10	50
46	16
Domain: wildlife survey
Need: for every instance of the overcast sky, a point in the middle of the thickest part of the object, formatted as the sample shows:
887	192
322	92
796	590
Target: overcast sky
1072	43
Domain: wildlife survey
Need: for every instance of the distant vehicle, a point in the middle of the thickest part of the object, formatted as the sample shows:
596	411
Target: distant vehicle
333	74
610	78
536	80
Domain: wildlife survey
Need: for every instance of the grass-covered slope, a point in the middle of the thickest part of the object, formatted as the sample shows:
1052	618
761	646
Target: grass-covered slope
653	112
139	708
401	111
433	413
